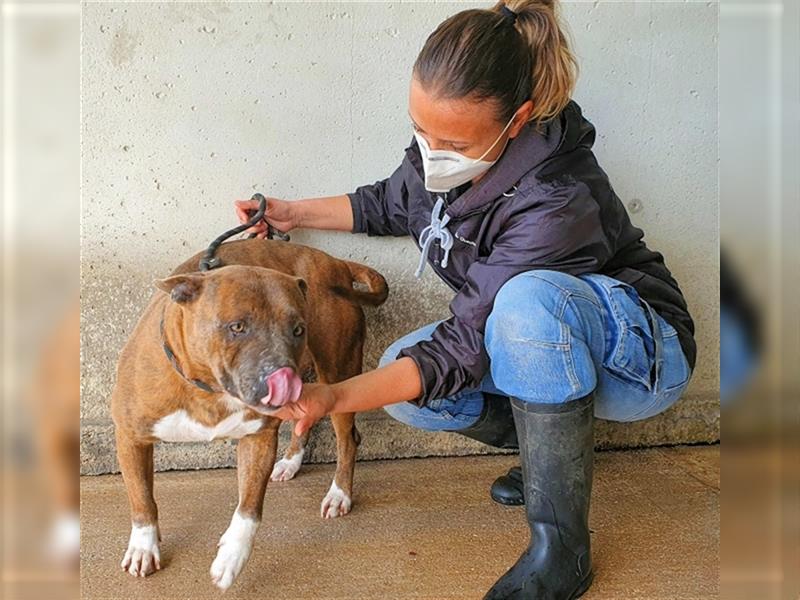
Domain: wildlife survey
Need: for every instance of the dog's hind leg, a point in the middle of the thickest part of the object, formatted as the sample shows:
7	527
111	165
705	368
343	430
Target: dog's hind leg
346	362
256	455
338	500
136	463
289	465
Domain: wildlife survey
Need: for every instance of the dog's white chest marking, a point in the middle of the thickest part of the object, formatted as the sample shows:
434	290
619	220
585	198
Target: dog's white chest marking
180	427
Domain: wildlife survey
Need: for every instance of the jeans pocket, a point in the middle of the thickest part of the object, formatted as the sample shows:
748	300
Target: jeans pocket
630	347
675	372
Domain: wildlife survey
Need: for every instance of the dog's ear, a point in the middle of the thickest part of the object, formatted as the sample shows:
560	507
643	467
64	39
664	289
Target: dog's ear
182	288
301	283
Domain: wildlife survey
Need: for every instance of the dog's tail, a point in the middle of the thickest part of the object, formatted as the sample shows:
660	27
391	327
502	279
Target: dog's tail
377	291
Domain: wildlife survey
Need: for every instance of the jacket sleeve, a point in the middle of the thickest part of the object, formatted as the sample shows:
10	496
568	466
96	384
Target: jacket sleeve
381	208
568	238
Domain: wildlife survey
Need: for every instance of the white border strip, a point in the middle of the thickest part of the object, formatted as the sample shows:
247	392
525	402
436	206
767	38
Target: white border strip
54	9
9	262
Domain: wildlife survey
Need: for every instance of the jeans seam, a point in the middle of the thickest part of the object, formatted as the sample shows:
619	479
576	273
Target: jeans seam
555	345
564	290
569	363
571	374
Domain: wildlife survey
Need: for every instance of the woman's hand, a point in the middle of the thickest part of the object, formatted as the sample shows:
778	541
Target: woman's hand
315	401
396	382
280	214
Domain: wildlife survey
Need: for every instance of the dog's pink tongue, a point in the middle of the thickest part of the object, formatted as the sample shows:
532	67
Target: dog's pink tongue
283	386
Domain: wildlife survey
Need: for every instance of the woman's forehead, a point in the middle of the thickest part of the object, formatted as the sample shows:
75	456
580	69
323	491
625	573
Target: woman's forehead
453	120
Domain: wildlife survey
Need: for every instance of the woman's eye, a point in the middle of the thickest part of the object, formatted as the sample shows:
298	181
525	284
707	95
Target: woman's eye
459	148
237	327
299	330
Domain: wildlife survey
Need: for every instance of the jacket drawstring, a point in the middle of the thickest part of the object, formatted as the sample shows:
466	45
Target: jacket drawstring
436	230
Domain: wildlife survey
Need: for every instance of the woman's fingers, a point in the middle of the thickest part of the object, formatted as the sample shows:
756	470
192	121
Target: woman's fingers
259	228
245	209
314	403
278	213
240	214
288	412
242	207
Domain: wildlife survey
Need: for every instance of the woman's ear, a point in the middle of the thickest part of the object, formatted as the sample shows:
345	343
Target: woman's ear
181	288
521	118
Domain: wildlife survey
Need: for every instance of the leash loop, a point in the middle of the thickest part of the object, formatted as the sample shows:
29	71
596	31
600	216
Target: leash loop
211	261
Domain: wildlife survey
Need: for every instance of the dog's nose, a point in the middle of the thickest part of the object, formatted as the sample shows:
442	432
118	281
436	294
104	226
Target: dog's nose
283	386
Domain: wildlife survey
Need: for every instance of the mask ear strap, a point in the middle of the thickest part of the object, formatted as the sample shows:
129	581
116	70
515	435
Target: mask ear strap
514	116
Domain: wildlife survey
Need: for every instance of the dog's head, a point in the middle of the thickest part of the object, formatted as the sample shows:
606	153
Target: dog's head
247	326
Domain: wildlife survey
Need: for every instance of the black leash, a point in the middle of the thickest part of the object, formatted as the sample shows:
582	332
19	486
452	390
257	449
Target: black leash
211	261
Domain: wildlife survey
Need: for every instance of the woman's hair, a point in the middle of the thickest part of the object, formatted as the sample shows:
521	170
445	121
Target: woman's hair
513	52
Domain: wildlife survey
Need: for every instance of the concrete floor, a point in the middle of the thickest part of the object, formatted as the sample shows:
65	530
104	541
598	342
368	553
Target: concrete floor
420	528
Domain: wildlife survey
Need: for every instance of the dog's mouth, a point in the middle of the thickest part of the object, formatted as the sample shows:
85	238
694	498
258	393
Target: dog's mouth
283	387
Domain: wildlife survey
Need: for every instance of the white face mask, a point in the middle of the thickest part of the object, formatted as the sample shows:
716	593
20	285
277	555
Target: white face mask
445	170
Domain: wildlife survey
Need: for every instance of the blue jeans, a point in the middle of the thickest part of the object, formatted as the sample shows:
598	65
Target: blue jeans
552	338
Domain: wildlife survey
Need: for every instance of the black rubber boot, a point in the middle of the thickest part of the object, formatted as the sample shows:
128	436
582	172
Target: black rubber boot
495	426
556	451
507	489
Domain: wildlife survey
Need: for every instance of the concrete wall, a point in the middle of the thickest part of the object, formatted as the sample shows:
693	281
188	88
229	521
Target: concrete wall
187	107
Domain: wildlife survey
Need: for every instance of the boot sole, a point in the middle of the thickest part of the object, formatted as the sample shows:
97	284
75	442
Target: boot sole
506	501
579	591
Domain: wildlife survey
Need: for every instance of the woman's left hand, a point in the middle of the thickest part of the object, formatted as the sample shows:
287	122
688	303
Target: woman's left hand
315	401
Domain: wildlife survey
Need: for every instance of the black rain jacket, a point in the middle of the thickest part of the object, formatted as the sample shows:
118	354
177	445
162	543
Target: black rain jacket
545	204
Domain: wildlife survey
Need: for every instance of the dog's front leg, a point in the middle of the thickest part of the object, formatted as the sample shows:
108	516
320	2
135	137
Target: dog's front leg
136	463
255	459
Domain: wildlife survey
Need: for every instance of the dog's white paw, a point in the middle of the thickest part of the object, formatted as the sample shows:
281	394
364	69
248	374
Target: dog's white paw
336	503
64	545
286	468
142	556
234	550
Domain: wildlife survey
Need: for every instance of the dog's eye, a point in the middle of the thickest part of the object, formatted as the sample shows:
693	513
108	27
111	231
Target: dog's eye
237	327
299	330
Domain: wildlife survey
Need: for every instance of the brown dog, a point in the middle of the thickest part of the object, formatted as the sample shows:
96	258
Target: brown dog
214	353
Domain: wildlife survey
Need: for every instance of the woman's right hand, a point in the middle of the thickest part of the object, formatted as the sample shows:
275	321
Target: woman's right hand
280	214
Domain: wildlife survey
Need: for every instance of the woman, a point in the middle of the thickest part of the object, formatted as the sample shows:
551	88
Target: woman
561	312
